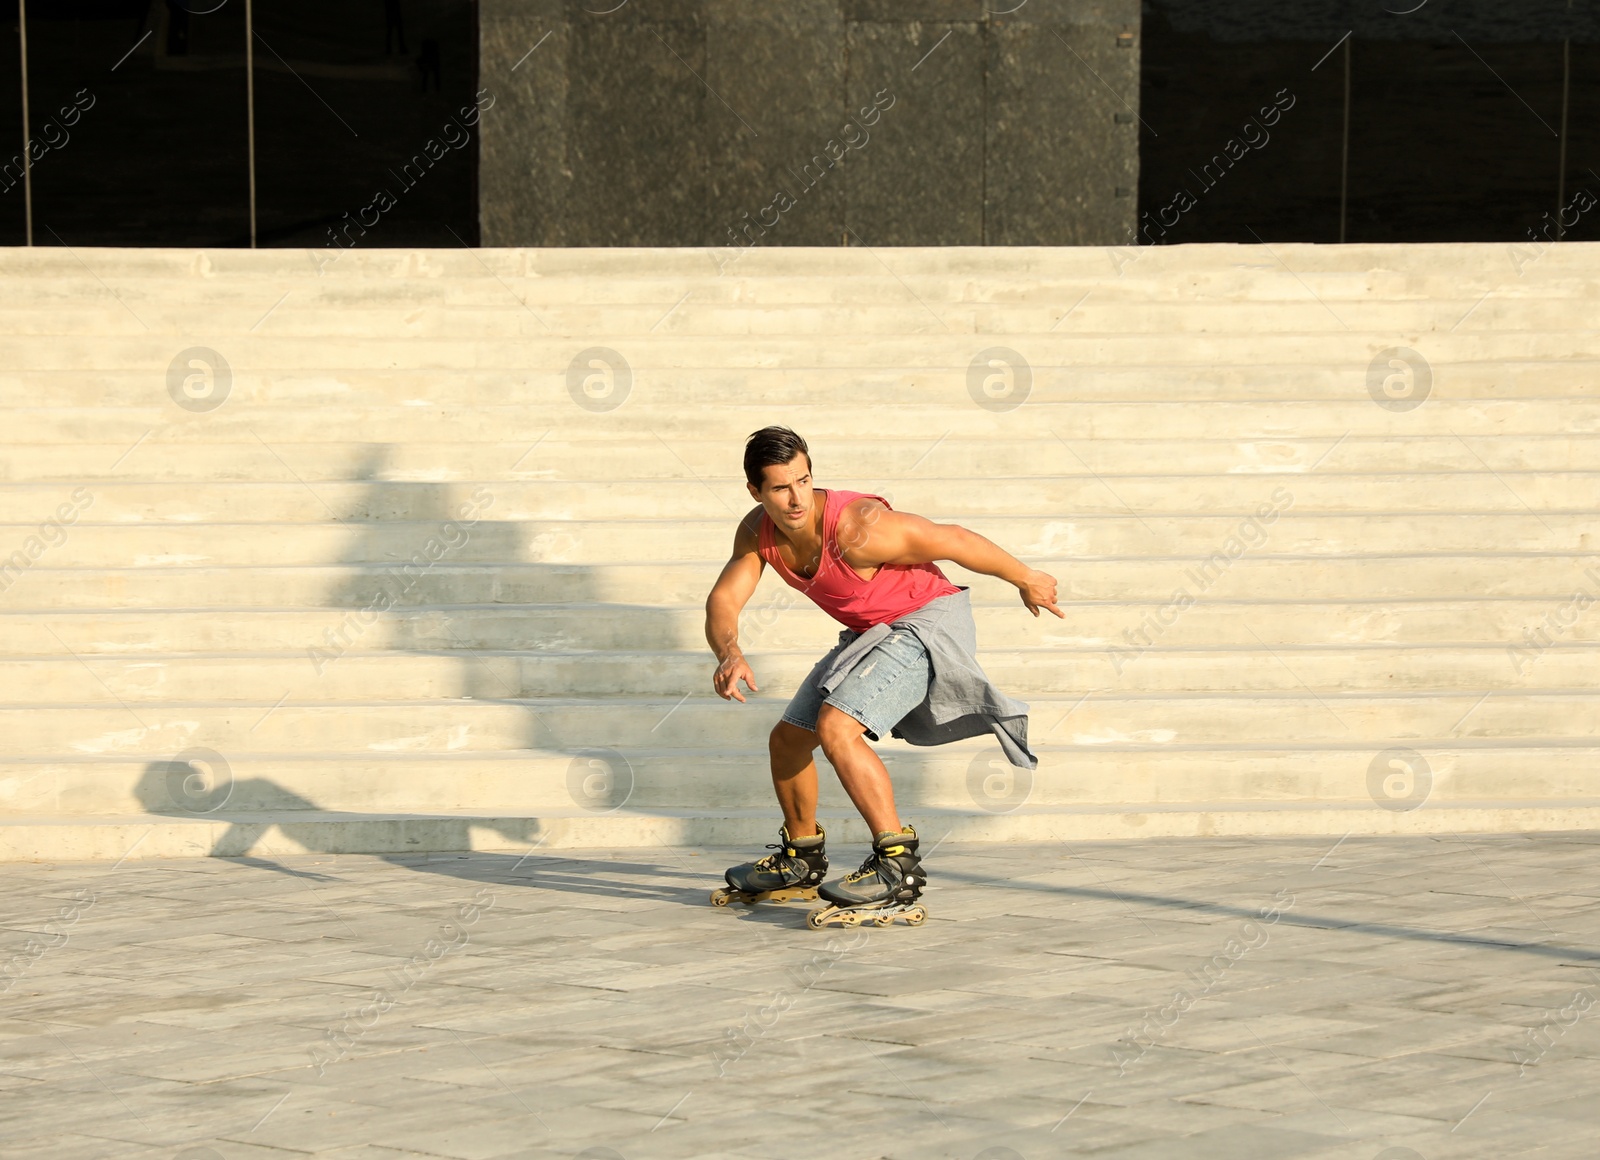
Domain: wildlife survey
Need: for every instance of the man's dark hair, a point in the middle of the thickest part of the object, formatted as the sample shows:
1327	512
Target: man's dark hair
769	447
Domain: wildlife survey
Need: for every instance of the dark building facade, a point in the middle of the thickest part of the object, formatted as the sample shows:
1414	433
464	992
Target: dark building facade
729	123
810	122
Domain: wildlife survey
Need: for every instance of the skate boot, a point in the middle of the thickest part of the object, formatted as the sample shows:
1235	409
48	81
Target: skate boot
885	888
795	871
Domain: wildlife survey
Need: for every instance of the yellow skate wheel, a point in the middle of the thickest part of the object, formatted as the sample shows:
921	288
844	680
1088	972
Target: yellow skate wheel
851	919
719	898
915	916
884	920
818	918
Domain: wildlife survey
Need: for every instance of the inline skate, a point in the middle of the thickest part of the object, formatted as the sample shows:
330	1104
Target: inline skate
794	871
886	887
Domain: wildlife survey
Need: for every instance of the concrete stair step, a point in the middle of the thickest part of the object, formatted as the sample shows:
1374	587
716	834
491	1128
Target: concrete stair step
131	837
768	623
801	276
941	352
364	677
377	587
1143	378
540	313
498	722
1073	491
180	453
968	775
1055	381
1185	266
948	411
798	276
607	541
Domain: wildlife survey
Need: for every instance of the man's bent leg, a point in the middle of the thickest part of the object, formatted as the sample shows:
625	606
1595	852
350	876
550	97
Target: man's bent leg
794	777
860	770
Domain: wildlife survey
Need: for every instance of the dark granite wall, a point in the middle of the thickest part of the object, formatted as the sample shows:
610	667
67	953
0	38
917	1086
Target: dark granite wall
808	122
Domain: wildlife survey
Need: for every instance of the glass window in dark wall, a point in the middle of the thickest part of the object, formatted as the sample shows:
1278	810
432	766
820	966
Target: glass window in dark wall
1455	117
1583	147
1452	141
1245	133
367	123
11	206
137	149
366	120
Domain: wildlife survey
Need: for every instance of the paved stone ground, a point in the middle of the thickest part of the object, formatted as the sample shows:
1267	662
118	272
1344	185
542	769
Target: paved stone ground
1429	997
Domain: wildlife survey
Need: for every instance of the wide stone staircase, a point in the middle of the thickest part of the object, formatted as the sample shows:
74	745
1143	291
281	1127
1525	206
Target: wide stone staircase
408	551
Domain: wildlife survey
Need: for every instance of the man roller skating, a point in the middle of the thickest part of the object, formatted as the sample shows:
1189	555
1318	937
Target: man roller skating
904	667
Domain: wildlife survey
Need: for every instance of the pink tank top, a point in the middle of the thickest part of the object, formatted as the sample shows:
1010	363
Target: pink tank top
893	591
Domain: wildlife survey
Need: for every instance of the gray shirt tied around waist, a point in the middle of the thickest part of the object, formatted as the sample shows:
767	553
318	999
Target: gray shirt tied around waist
961	701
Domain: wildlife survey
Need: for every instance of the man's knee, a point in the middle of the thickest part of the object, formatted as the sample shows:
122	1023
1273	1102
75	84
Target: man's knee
836	728
789	737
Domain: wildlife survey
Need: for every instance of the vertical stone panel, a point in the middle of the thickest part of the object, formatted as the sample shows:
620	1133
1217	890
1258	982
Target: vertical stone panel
674	122
636	110
522	175
1063	131
920	181
912	11
780	67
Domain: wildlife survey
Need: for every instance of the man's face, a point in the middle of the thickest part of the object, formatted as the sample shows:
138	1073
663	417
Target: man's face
786	493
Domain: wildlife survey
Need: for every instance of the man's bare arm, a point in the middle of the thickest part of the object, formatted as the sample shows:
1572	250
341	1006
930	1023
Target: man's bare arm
871	534
729	595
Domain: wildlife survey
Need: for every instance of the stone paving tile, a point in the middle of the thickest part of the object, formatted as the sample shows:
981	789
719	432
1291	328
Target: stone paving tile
1180	1116
469	1137
57	1145
598	1001
1235	1141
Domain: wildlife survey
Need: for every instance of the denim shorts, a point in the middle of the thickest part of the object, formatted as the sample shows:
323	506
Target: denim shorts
886	684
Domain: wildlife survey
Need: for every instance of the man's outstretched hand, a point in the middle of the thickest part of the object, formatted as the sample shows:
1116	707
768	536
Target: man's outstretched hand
1039	591
728	675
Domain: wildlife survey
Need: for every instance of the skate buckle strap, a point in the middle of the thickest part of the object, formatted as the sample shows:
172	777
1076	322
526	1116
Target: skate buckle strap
788	840
770	862
881	853
868	869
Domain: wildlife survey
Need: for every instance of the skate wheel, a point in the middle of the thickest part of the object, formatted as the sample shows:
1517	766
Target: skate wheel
884	920
747	900
915	916
851	920
817	919
719	898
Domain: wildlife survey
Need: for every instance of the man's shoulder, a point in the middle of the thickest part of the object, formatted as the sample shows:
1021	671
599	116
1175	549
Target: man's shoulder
749	532
863	503
862	510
